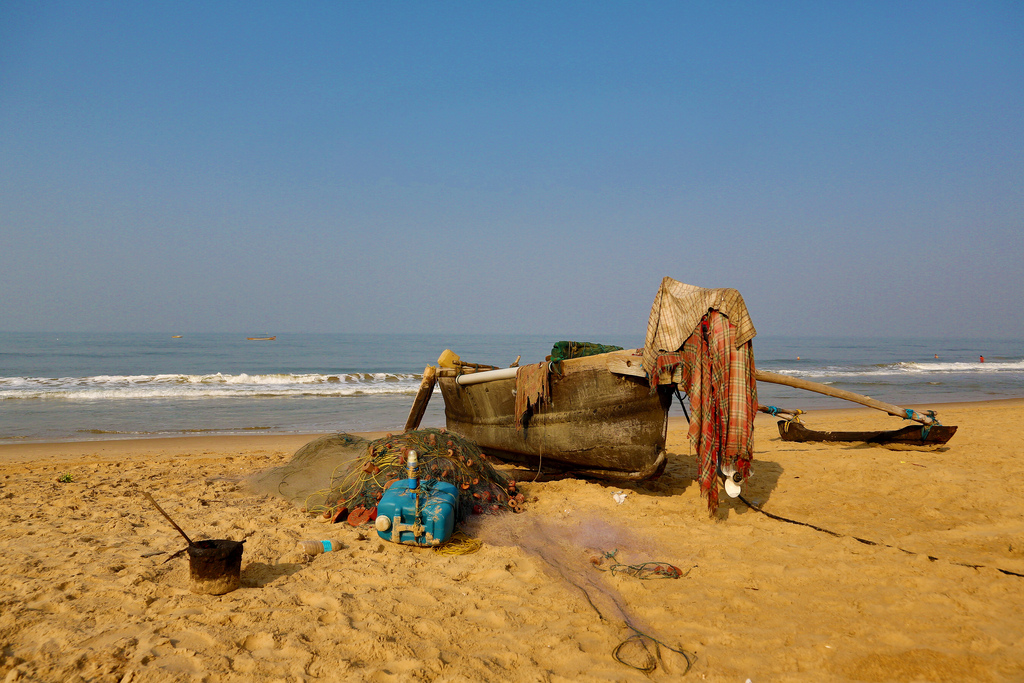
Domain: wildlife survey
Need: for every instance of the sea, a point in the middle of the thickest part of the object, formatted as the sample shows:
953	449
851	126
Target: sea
89	386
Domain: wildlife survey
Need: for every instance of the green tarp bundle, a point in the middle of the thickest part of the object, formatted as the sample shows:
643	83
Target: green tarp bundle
564	350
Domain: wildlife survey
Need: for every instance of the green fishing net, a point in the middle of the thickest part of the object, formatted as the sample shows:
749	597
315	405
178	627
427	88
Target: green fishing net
564	350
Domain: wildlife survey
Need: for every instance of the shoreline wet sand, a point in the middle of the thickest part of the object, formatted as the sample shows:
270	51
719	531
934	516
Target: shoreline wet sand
91	589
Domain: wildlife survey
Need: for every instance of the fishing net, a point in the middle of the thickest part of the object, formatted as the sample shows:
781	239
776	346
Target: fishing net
563	546
309	469
361	470
564	350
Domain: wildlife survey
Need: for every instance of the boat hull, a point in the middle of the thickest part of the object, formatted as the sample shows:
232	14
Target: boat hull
598	423
915	435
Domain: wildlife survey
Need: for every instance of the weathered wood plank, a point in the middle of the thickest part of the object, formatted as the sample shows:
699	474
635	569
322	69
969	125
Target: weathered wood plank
419	404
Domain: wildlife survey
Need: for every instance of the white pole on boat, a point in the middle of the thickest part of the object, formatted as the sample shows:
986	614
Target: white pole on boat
486	376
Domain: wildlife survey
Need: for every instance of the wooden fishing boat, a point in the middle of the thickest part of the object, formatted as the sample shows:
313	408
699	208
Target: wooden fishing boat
261	338
931	433
602	419
914	435
598	423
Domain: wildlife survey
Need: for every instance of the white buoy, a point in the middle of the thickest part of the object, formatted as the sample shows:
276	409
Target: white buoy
732	481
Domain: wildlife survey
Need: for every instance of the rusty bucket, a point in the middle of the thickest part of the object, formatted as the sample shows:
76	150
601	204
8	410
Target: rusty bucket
215	566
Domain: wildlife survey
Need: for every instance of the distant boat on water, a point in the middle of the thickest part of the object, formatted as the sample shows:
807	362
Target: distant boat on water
261	338
177	336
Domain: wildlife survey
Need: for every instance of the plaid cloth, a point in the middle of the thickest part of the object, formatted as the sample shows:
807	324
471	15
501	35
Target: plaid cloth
668	369
532	390
719	378
677	311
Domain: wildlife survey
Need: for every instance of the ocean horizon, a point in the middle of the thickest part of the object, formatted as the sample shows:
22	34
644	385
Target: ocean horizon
88	386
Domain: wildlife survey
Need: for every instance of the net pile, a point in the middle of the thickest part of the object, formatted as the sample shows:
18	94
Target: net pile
359	481
566	350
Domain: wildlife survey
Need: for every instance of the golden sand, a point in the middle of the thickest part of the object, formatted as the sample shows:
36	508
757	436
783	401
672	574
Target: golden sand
90	588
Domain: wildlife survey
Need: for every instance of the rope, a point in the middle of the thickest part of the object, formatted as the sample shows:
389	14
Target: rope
540	461
928	427
638	636
787	414
652	661
682	405
649	570
865	541
459	544
652	651
644	570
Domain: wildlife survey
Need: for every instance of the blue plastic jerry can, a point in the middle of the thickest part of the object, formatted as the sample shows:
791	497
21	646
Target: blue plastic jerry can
438	507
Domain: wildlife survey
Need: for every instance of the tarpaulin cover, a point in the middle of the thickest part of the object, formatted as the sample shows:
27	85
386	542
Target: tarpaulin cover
677	311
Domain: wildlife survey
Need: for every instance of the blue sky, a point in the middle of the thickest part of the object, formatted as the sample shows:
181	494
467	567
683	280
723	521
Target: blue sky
851	168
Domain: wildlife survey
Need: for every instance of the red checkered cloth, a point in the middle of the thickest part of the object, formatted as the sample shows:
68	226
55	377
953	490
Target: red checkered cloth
719	379
532	390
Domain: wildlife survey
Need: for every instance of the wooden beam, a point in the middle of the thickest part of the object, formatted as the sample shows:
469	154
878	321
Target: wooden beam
626	366
784	413
807	385
419	405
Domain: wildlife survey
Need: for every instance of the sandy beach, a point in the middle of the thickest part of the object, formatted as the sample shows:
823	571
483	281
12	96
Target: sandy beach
91	589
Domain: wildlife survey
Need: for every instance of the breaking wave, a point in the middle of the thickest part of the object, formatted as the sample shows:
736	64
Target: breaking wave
907	368
217	385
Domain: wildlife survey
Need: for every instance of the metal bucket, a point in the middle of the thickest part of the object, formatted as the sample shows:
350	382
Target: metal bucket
215	566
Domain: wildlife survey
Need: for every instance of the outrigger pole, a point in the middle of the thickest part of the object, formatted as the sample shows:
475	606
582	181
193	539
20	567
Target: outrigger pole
796	383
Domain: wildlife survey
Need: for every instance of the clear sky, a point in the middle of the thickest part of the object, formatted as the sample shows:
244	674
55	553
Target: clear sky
850	167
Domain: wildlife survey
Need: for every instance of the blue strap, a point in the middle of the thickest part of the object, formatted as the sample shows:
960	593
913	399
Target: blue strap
928	427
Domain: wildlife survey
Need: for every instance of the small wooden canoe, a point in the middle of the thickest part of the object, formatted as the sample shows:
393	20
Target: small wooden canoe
261	338
915	435
599	423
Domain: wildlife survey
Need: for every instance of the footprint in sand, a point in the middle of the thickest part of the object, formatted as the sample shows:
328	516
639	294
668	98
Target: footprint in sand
178	663
264	651
489	616
319	601
258	641
191	640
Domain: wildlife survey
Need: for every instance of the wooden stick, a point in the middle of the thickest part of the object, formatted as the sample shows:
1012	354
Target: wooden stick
477	366
785	413
807	385
161	510
419	405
